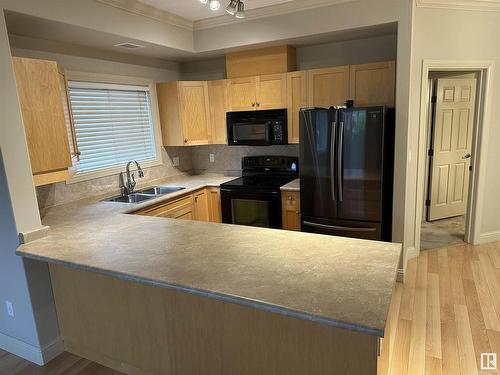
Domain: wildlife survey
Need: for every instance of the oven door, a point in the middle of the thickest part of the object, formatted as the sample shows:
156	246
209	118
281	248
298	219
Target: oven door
253	208
251	133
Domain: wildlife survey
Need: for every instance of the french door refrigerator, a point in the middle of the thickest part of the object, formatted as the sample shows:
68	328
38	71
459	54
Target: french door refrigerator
346	177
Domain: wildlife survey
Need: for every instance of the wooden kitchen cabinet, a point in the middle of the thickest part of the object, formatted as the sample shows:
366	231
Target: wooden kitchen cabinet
296	99
373	84
46	112
259	92
214	205
184	113
290	210
177	208
242	93
328	86
217	96
200	199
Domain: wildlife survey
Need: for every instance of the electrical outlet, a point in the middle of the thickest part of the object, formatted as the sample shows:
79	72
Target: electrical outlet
10	308
175	161
212	158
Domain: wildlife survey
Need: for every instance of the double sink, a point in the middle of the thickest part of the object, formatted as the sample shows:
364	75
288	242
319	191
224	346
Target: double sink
145	194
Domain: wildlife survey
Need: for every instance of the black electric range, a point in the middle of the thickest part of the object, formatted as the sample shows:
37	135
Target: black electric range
254	199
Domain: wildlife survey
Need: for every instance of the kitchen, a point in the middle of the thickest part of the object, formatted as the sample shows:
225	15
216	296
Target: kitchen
192	213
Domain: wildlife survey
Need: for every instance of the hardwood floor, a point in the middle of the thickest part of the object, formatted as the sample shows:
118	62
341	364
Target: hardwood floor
449	311
65	364
446	314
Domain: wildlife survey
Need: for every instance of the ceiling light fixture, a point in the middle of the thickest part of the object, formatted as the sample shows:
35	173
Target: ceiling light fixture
240	13
214	5
235	7
231	8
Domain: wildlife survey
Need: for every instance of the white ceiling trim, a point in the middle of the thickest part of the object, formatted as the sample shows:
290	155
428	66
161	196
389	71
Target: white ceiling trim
483	5
269	11
145	10
136	7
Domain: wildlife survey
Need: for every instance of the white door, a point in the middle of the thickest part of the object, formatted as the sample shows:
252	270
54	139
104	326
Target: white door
452	141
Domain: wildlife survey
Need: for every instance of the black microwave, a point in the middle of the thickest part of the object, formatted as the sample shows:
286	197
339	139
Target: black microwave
257	128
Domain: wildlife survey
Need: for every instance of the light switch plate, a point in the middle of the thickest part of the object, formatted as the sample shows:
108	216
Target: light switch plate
10	308
175	161
212	158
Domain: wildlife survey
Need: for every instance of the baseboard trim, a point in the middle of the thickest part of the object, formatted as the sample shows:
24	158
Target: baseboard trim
489	237
32	353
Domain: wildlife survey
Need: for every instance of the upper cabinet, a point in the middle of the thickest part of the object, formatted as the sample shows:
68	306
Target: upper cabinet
296	85
328	86
46	111
242	93
184	113
217	97
260	92
373	84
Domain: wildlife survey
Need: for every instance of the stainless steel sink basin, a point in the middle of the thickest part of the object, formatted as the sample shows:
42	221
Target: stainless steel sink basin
160	190
131	198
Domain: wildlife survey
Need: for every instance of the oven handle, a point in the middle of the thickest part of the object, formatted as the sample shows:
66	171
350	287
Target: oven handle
247	192
347	229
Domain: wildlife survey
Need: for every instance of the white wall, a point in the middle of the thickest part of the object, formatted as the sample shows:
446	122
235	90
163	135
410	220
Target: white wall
445	34
22	283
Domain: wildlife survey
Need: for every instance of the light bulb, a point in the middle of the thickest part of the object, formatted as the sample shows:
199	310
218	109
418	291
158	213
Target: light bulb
214	5
204	1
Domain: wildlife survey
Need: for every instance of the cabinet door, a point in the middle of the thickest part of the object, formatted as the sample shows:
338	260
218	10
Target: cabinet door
328	86
242	94
373	84
271	91
39	90
297	98
195	114
290	206
217	93
214	205
201	206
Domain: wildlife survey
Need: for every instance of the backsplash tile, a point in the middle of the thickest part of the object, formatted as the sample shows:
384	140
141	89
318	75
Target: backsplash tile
60	193
228	158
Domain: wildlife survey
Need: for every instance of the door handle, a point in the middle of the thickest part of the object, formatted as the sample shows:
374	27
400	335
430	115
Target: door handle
332	160
337	227
340	162
467	156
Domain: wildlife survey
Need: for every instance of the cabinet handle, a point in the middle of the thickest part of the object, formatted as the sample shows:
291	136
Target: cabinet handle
185	141
253	104
258	104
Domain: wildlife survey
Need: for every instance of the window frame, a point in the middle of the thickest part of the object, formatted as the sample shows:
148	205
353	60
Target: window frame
94	78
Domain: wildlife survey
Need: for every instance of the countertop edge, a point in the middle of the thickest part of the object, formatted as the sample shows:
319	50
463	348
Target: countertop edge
257	304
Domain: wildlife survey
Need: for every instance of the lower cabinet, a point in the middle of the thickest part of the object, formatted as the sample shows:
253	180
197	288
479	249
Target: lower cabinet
290	210
201	205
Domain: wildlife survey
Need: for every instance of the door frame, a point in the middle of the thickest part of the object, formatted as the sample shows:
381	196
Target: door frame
485	70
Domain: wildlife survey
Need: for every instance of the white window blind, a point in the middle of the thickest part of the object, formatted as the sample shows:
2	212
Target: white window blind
113	124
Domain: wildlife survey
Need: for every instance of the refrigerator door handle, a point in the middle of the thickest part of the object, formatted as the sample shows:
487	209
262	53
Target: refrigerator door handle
340	162
347	229
332	160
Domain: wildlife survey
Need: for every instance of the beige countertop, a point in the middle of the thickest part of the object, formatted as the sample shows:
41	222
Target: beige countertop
331	280
292	185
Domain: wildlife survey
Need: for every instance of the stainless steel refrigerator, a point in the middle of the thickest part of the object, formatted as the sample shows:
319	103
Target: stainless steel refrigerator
346	175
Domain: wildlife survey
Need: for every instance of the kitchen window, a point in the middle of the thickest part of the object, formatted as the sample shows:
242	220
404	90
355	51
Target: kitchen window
114	124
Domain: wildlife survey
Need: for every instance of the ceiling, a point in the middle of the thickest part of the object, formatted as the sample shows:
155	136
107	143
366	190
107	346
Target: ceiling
193	10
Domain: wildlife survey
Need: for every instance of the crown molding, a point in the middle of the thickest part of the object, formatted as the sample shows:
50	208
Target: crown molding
481	5
141	9
269	11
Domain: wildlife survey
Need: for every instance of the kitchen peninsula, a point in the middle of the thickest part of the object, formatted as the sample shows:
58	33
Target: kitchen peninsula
163	296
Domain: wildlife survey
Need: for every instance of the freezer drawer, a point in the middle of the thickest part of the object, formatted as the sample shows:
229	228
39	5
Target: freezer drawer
342	228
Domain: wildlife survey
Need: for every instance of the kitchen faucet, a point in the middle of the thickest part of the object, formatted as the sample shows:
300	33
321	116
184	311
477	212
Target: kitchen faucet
129	189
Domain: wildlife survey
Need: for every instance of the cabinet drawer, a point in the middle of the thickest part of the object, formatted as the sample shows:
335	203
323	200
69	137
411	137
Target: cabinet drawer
174	209
290	200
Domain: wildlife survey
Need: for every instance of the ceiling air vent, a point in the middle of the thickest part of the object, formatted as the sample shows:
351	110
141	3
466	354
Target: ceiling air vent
128	45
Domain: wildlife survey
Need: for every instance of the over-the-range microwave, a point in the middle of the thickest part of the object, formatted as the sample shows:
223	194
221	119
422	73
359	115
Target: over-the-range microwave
257	128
